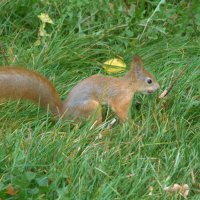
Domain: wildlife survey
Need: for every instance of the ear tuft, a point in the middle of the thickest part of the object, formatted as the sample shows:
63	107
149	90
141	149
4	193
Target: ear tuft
137	59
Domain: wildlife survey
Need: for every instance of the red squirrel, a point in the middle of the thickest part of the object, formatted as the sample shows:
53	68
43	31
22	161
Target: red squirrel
86	98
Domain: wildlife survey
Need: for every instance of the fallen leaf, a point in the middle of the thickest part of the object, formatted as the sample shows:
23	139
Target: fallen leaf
44	17
42	32
151	191
185	190
114	65
181	189
10	190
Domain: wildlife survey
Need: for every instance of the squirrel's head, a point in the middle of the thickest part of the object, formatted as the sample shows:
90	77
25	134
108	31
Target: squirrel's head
146	83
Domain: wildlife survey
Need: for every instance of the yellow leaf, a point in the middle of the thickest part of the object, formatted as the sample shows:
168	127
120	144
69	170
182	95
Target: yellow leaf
44	17
42	32
114	65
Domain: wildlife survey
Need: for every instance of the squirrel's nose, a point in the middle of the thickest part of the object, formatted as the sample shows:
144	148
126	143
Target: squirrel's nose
156	87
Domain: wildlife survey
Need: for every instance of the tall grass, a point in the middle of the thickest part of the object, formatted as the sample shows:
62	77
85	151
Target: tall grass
46	159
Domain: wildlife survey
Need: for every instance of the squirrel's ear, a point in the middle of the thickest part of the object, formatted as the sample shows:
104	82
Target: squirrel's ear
137	65
137	59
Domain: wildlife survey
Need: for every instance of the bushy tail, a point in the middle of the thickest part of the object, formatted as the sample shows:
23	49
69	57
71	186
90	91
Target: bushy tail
20	83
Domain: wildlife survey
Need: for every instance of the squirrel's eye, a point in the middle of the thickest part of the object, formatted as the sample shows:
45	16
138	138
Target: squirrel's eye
149	81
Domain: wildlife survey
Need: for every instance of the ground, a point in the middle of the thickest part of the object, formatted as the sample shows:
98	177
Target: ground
41	158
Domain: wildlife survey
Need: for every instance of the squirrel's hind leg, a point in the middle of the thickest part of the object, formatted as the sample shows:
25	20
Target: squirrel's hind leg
91	109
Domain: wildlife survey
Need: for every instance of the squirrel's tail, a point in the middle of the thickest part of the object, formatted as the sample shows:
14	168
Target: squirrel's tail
18	83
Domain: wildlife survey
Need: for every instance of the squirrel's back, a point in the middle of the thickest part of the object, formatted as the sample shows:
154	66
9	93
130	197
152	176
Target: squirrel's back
20	83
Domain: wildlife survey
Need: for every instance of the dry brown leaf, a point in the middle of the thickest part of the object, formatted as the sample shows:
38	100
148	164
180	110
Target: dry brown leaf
181	189
11	191
185	190
151	191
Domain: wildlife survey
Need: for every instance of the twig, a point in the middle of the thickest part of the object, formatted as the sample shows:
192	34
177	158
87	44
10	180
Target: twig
3	54
166	91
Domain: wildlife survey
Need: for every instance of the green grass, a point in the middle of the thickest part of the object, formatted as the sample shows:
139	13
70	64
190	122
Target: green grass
46	159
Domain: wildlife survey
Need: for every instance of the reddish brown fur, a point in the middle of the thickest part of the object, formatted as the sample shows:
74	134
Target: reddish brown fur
20	83
85	98
137	59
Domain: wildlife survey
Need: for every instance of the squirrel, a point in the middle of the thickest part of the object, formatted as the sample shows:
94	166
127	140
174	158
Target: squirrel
86	98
